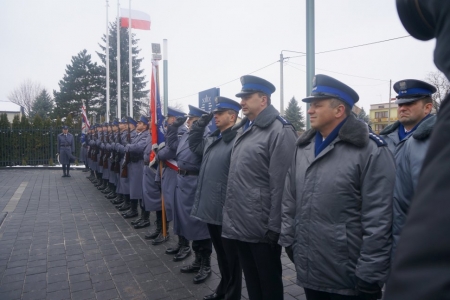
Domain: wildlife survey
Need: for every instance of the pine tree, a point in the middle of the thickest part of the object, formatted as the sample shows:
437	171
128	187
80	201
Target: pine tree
5	138
43	105
139	82
294	115
4	122
82	81
69	121
363	116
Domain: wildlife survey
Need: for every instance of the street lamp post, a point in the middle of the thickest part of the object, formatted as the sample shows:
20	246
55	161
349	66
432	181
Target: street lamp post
282	58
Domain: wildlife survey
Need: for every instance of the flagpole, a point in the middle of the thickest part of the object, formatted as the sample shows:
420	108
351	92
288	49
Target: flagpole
166	76
107	64
130	60
119	101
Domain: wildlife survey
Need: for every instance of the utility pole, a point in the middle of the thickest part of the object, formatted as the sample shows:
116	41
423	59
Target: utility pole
310	57
281	85
166	77
389	103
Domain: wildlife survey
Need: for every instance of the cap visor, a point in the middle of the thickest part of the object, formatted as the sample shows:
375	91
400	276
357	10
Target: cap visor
312	98
408	100
241	94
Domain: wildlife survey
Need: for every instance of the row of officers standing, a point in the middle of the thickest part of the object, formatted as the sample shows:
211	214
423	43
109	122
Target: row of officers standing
336	197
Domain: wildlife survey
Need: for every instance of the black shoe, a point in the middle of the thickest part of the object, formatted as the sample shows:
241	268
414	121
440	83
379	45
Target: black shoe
102	187
107	190
117	201
111	195
205	269
214	296
184	252
124	207
134	222
142	224
154	234
160	239
130	214
173	250
195	266
68	175
85	170
64	175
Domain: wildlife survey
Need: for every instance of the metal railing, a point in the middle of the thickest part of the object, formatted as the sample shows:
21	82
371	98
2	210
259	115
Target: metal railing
32	146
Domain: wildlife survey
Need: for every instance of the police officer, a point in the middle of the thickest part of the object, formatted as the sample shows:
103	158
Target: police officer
210	197
104	146
136	164
112	160
185	226
337	202
151	194
408	139
128	134
259	162
168	180
91	160
99	155
66	148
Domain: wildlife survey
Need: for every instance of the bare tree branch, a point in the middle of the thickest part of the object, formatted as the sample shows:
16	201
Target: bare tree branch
25	94
442	85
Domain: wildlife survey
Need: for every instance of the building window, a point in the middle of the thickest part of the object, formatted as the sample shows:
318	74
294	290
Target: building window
381	114
379	127
381	106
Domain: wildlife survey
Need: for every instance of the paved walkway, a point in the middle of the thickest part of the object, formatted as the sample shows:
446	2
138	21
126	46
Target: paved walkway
61	239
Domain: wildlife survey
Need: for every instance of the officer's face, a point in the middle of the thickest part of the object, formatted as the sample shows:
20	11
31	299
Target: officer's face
115	128
170	120
322	115
223	119
141	126
65	131
410	114
191	120
253	104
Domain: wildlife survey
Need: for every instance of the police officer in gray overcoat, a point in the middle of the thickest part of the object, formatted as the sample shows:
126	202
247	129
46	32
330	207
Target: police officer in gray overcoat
210	195
129	126
337	200
408	139
66	148
184	225
252	211
151	195
135	167
168	180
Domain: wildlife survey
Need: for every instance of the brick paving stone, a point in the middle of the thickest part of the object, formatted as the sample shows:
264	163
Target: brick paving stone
107	294
65	240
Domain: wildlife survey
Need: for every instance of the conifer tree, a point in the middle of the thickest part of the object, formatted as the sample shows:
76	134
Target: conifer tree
139	83
82	81
363	116
43	105
294	115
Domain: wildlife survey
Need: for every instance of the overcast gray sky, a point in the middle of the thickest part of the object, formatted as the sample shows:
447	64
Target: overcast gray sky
213	42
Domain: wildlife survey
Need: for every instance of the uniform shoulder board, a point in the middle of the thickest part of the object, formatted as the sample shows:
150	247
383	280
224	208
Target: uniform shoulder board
377	139
283	120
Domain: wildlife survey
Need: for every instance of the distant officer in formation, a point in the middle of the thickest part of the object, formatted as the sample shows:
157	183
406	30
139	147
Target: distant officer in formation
65	149
337	202
260	159
186	227
211	187
408	139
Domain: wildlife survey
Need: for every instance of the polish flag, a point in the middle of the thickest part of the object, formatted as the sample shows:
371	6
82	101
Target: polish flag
139	19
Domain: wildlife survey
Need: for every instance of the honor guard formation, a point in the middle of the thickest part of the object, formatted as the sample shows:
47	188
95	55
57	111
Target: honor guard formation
335	197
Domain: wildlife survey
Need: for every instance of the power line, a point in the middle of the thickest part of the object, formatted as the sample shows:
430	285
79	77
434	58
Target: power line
327	51
289	64
227	81
356	46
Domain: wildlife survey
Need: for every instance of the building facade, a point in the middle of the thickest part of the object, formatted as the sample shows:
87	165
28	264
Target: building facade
381	115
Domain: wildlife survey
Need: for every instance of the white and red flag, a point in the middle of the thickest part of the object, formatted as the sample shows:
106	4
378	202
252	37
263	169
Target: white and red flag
139	19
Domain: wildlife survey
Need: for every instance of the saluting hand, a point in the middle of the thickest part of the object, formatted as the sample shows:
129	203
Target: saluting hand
205	119
179	121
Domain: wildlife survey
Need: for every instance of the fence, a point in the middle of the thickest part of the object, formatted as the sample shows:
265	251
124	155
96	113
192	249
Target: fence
31	146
